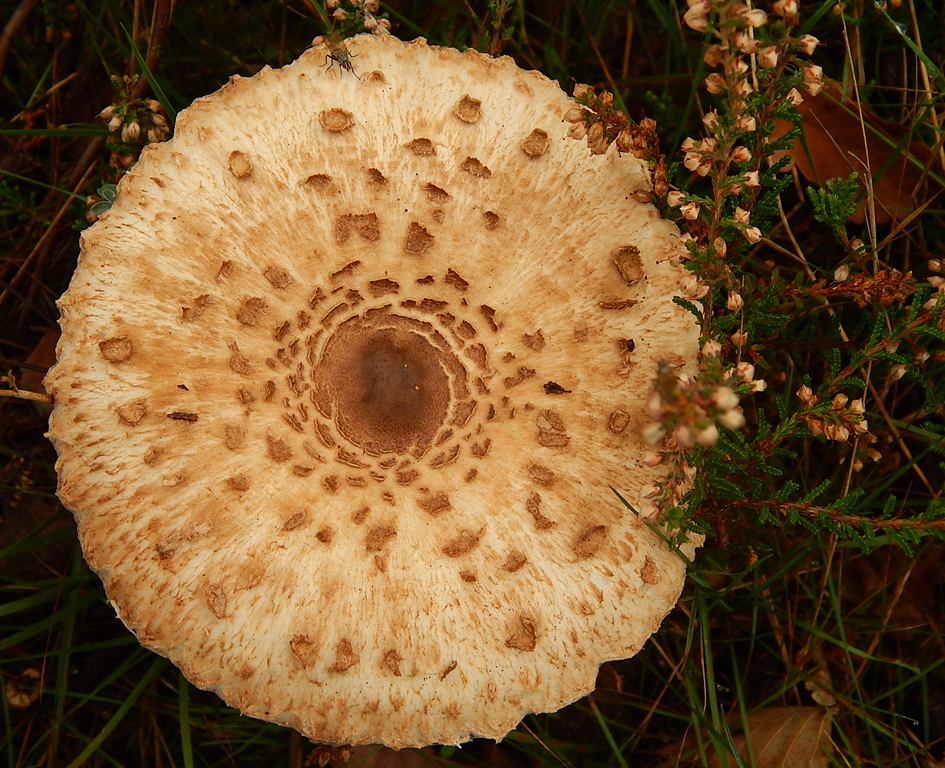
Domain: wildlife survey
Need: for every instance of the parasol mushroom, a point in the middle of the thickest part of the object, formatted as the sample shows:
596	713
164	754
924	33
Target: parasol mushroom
344	388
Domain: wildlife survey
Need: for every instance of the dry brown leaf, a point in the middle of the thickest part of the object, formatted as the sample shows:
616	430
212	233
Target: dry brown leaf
834	137
784	737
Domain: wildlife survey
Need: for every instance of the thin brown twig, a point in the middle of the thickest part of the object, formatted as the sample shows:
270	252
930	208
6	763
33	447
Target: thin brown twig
25	394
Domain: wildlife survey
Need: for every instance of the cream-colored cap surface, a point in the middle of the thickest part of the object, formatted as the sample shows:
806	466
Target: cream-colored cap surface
344	393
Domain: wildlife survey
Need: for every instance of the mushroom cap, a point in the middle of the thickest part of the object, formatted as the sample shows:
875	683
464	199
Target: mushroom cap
344	393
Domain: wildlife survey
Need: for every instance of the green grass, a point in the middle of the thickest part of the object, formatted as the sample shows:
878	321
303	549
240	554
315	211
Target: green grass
817	584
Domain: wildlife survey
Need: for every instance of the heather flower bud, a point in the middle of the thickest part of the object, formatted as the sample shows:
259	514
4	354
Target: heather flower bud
651	459
753	179
114	124
713	55
714	83
580	89
578	131
745	371
131	131
735	301
708	436
858	406
733	419
839	401
697	17
674	199
755	18
935	265
746	123
711	348
684	436
785	8
808	43
741	155
768	57
806	395
107	113
690	211
653	433
796	97
753	234
841	273
725	398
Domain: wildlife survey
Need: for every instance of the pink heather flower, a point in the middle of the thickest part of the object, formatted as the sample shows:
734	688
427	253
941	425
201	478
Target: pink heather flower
108	112
684	436
131	131
739	338
674	199
711	348
740	216
713	55
755	18
714	83
697	17
733	419
796	97
808	44
841	273
725	398
768	57
752	234
580	89
741	155
839	401
574	115
690	211
710	119
759	385
743	88
806	394
651	459
813	73
858	406
745	371
897	372
114	124
745	42
721	247
653	433
785	8
753	179
735	301
708	436
746	123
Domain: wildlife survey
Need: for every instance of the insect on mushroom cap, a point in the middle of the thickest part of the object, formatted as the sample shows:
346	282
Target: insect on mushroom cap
301	406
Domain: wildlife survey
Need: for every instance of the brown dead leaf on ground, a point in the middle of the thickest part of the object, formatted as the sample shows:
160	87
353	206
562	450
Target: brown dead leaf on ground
834	138
783	737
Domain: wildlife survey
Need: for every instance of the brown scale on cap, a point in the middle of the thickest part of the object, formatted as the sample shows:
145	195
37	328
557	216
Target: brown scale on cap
370	438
